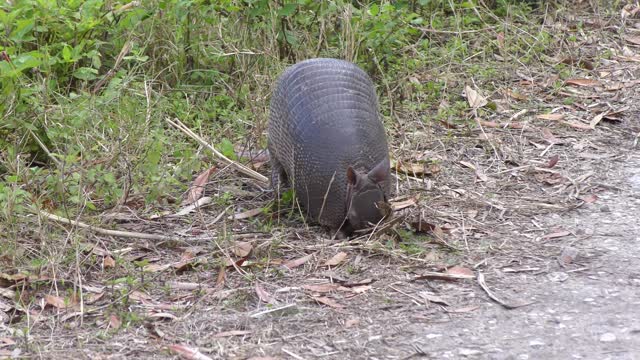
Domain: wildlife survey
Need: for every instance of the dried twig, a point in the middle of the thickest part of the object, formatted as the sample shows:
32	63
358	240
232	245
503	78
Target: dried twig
102	231
495	298
241	168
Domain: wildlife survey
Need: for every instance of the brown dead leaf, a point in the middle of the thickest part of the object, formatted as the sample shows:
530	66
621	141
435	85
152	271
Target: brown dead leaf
93	297
232	333
474	98
156	267
297	262
351	323
553	161
577	125
108	262
585	64
464	309
582	82
495	125
263	295
596	120
417	169
163	315
139	296
336	259
358	289
459	270
480	175
515	95
246	214
567	256
555	116
114	322
197	187
321	288
548	135
634	39
221	277
328	301
557	234
433	298
403	204
242	248
357	283
188	353
57	302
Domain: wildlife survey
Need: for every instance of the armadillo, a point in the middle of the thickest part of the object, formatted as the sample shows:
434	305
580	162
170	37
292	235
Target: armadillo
326	140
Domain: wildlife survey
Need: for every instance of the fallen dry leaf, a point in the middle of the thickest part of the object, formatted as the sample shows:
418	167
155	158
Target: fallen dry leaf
417	169
328	301
582	82
553	161
108	262
351	323
321	288
197	187
513	94
114	322
568	255
163	315
634	39
433	298
589	198
263	295
232	333
557	234
548	135
464	309
459	270
596	120
336	259
554	116
246	214
57	302
297	262
577	125
474	98
188	353
403	204
242	248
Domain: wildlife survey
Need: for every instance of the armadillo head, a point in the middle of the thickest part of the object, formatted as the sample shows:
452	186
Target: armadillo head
365	195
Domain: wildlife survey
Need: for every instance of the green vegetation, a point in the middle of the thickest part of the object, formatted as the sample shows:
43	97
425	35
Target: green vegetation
86	86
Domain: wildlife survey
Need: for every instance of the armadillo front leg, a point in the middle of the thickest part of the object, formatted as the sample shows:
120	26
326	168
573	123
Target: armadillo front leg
279	180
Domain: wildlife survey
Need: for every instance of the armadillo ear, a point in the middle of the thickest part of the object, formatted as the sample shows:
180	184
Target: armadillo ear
352	177
380	173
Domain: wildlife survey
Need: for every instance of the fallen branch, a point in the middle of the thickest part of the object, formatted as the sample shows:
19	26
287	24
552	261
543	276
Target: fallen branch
102	231
241	168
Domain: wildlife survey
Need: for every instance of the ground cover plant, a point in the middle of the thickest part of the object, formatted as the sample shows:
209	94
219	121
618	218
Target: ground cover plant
124	235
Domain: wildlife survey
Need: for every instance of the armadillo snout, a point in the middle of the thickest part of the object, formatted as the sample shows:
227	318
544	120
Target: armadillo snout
364	208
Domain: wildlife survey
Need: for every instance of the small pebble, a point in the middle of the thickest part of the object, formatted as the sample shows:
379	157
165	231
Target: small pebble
605	208
469	352
536	343
608	337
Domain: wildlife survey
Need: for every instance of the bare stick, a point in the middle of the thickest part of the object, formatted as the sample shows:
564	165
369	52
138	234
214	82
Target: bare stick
106	231
241	168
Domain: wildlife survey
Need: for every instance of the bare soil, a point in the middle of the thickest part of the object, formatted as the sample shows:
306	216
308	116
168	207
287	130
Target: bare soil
557	244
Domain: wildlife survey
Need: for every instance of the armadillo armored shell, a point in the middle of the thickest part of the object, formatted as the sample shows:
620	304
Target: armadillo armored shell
324	118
